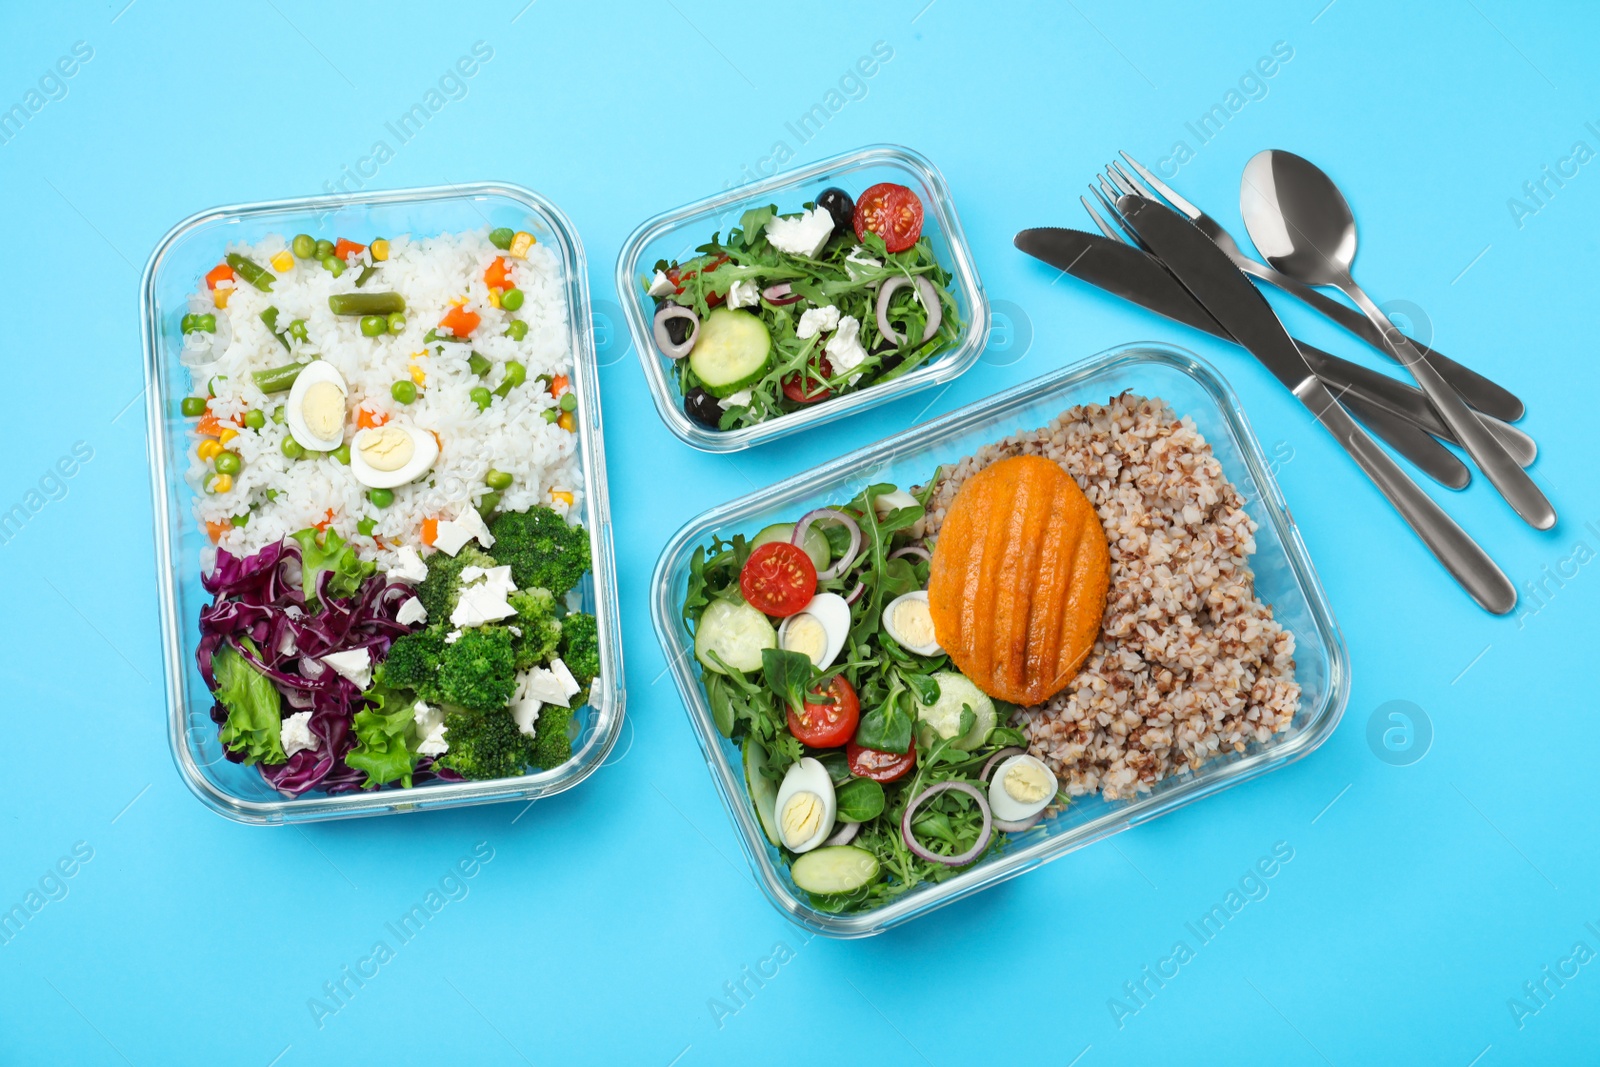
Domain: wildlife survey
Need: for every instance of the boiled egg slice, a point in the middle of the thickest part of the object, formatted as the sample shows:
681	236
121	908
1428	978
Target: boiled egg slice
1021	788
806	806
315	411
819	629
908	620
392	454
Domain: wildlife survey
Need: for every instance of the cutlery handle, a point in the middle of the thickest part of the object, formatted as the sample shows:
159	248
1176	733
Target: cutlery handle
1426	454
1482	393
1463	557
1485	449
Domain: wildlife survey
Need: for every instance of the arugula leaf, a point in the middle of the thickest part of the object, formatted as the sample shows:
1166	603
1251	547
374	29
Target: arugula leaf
325	551
384	741
859	800
753	224
255	708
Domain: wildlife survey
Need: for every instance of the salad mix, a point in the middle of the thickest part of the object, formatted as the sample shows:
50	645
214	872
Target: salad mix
791	310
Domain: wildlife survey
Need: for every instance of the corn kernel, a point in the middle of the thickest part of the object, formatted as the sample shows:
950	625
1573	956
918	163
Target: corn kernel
520	244
220	295
222	483
228	434
568	422
494	298
282	262
208	449
561	496
379	249
418	375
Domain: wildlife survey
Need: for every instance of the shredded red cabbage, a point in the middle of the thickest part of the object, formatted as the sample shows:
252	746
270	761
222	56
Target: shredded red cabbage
260	597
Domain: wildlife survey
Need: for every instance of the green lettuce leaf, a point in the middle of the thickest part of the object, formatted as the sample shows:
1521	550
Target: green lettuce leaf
384	740
255	709
325	550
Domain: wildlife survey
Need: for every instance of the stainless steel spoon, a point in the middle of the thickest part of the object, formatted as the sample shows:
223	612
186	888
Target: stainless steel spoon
1302	226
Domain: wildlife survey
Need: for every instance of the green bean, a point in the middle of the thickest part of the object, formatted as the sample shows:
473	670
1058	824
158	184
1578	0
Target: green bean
487	503
517	330
304	246
277	379
292	448
255	418
251	272
480	366
569	402
511	299
501	237
373	325
404	391
367	271
380	498
515	375
270	317
342	454
396	322
497	479
366	303
481	397
324	248
193	406
228	462
241	520
333	264
297	330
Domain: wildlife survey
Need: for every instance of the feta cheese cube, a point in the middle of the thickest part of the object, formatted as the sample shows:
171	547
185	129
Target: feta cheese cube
354	664
844	347
453	534
295	734
744	294
661	285
431	730
408	566
568	682
480	604
803	235
735	400
543	685
816	320
411	612
452	637
858	258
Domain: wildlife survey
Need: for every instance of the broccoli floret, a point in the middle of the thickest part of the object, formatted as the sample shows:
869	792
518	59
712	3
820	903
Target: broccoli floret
551	745
580	647
439	589
478	671
541	630
484	744
413	663
543	550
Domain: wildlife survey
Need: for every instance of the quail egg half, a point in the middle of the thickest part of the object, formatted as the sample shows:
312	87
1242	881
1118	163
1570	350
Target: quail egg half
806	806
819	629
1021	788
315	411
909	621
392	454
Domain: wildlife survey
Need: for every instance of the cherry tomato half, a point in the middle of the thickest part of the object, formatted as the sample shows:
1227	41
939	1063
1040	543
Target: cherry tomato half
678	275
778	578
832	724
891	211
809	390
878	765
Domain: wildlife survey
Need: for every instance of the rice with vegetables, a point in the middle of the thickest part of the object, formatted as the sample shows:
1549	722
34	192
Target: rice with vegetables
1189	665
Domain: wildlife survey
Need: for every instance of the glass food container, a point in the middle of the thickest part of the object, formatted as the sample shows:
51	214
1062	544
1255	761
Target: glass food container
175	269
675	235
1284	579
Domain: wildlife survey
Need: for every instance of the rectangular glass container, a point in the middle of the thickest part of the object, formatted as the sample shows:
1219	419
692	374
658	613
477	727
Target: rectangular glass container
175	268
675	235
1284	579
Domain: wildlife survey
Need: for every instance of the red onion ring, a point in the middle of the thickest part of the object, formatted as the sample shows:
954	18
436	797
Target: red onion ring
925	293
664	340
912	550
933	857
983	775
844	561
780	294
1017	827
855	594
845	834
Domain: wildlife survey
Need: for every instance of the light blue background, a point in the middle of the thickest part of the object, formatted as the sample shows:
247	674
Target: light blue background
1420	898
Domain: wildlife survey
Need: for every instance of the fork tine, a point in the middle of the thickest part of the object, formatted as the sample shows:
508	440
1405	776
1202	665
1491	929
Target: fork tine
1109	201
1105	227
1161	187
1119	181
1138	186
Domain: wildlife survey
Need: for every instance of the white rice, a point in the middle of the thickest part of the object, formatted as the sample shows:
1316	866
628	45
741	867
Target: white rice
511	436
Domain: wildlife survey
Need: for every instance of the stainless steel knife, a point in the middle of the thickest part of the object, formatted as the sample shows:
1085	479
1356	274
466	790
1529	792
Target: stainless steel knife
1239	308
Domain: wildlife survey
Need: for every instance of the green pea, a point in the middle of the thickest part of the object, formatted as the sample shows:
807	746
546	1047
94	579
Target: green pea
241	520
397	322
366	526
193	406
292	448
569	402
380	498
342	454
228	463
511	299
497	479
551	414
255	418
501	237
488	503
324	248
278	415
517	330
374	325
481	397
480	366
304	246
515	375
404	391
297	330
334	264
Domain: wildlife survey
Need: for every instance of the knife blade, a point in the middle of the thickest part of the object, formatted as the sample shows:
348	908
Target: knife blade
1239	308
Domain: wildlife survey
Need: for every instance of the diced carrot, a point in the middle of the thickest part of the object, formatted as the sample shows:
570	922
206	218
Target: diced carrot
430	531
215	530
559	384
323	525
220	273
345	249
499	274
366	420
377	540
209	425
459	321
437	439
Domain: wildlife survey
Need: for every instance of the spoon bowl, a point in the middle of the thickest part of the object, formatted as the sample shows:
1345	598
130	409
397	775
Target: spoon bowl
1299	220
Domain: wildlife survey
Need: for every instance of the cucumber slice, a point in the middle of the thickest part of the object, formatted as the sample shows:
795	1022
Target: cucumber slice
733	350
834	869
736	632
816	545
763	793
943	716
